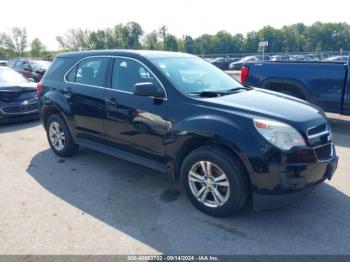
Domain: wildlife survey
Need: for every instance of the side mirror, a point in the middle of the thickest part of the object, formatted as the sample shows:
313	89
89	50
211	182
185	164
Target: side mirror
147	89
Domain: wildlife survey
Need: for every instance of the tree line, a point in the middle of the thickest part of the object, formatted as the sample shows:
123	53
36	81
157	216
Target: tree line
15	44
293	38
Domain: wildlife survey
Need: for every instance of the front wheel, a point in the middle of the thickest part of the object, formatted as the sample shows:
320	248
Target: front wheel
215	181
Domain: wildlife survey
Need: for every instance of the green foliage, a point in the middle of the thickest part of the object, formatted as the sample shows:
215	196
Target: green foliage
75	39
204	44
189	45
37	48
292	38
150	41
15	41
170	43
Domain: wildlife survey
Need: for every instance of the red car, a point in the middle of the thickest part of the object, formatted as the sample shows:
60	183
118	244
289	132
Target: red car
31	69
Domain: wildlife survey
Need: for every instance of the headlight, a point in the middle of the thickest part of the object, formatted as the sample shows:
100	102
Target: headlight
279	134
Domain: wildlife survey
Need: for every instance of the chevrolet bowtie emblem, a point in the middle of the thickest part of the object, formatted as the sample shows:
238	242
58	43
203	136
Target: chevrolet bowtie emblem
24	103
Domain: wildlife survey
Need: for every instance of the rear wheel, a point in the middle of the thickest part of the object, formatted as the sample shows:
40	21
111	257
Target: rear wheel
59	137
215	181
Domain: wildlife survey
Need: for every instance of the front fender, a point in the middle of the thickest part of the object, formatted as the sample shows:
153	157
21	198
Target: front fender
237	135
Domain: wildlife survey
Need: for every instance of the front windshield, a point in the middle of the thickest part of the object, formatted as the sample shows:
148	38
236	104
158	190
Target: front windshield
9	76
193	75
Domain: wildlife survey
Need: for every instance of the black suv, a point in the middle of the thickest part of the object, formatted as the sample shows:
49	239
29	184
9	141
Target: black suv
179	114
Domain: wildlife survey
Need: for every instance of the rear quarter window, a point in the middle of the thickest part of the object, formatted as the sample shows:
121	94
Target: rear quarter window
59	67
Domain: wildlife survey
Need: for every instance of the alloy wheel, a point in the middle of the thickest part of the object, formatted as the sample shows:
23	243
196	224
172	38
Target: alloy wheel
57	136
209	184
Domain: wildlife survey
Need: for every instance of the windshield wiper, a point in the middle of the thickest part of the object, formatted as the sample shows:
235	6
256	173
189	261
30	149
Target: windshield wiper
233	90
207	93
218	93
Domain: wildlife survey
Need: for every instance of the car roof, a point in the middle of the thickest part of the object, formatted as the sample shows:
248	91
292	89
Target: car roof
150	54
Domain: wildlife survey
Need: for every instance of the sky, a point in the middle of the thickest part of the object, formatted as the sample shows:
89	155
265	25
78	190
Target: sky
47	19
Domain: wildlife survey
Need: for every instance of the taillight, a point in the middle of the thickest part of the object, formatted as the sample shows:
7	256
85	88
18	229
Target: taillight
39	89
244	74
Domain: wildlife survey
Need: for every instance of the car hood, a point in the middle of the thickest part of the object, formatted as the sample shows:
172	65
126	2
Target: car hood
268	104
13	92
20	87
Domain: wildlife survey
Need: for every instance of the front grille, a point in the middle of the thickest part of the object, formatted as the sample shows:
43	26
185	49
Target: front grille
324	152
9	95
11	109
314	131
21	108
30	107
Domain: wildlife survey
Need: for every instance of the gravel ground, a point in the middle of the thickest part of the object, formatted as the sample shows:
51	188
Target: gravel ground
95	204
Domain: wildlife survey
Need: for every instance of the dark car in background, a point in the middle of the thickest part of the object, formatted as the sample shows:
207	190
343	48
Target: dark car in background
3	62
223	63
181	115
18	99
31	69
237	65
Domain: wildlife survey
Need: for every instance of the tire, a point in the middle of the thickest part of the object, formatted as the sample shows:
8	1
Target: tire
67	147
222	161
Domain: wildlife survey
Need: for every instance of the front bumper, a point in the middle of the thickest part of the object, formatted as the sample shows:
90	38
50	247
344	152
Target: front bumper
290	182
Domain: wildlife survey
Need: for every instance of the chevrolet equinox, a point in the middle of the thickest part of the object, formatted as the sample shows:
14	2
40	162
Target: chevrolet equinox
176	113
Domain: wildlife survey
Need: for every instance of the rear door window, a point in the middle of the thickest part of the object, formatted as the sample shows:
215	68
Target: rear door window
91	71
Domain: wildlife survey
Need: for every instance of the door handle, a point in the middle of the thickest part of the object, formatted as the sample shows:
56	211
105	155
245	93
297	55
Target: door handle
66	91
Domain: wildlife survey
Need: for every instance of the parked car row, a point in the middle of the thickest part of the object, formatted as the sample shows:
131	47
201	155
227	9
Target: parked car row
237	63
30	69
223	63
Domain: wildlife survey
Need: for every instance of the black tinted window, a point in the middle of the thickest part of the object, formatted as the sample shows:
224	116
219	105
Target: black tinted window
59	67
90	71
127	72
72	74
